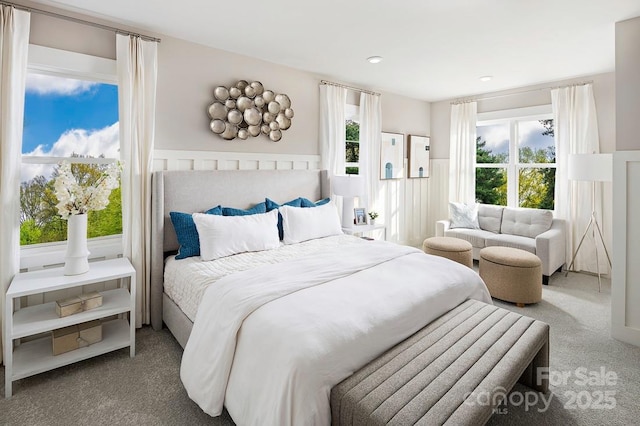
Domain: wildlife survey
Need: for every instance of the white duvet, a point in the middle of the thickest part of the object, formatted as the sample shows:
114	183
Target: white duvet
269	343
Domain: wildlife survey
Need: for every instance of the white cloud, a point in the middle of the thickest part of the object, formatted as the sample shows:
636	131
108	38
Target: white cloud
93	143
529	129
496	135
51	85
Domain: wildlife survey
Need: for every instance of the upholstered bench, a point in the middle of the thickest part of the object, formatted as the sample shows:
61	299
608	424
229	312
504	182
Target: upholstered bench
455	249
511	274
455	371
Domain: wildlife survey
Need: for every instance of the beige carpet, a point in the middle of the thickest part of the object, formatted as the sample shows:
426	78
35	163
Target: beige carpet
146	390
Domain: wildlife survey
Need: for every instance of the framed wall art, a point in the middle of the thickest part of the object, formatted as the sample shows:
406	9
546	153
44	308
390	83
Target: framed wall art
391	156
360	215
418	156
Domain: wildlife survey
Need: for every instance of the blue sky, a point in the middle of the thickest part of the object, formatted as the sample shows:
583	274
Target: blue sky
64	116
497	136
48	115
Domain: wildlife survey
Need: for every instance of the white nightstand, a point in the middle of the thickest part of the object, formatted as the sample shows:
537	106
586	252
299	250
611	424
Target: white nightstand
361	229
36	356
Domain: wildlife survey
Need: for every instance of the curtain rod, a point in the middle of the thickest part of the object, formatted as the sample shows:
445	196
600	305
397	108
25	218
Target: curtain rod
79	21
330	83
484	98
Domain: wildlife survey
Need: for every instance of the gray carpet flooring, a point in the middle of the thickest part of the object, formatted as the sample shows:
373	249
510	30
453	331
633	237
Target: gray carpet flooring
146	390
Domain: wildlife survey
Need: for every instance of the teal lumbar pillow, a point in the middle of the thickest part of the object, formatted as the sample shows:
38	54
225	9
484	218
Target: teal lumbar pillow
187	233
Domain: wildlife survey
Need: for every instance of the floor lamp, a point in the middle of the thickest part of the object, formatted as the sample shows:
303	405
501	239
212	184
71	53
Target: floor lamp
348	187
591	168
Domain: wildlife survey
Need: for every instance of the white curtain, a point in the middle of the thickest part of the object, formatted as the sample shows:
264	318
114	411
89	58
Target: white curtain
576	132
14	47
370	134
332	128
137	71
462	175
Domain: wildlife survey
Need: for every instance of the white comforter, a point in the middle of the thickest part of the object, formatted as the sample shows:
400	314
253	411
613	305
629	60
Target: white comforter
271	342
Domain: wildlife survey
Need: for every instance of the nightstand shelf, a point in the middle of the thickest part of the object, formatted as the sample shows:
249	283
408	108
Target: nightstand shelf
36	356
40	318
361	229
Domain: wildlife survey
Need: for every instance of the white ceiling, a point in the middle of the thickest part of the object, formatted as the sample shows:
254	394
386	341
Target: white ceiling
432	49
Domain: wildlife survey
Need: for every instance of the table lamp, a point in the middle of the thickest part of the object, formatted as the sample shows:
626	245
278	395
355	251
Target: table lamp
348	187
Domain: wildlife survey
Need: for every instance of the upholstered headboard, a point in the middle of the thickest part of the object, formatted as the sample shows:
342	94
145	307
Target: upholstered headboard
197	191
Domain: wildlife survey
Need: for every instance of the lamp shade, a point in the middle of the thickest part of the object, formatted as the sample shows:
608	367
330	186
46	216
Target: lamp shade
347	186
591	167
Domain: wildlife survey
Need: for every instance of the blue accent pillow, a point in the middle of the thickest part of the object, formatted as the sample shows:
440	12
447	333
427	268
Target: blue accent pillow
309	203
257	209
272	205
187	233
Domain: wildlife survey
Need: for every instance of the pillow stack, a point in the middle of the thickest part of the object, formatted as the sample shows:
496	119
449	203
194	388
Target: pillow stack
224	231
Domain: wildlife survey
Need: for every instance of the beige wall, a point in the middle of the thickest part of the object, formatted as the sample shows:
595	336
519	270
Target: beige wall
404	115
66	35
628	91
603	90
187	75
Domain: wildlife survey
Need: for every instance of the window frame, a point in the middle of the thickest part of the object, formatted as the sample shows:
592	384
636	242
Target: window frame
63	63
512	117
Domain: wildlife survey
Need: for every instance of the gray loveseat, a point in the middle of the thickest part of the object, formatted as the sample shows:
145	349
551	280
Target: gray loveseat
532	230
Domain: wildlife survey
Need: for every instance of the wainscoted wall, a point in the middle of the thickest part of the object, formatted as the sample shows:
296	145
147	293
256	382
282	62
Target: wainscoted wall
438	194
625	291
212	160
412	206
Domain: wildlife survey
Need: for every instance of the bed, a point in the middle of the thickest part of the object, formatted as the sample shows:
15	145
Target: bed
274	339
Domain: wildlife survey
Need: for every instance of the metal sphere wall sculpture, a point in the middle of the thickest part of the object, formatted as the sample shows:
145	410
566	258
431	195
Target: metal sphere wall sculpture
246	109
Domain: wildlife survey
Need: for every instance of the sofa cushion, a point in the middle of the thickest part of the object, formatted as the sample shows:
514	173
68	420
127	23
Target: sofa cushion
525	222
513	241
490	217
463	215
476	237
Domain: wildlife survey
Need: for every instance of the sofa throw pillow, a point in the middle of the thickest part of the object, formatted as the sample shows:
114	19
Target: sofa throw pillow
463	216
186	232
222	236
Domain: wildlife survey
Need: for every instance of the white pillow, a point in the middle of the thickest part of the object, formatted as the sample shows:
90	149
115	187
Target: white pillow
302	224
222	236
463	216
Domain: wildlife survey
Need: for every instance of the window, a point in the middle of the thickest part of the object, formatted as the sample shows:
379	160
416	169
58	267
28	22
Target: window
70	113
516	158
352	140
353	147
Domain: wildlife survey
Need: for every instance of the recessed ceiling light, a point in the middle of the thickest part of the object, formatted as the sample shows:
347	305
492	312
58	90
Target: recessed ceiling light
486	78
374	59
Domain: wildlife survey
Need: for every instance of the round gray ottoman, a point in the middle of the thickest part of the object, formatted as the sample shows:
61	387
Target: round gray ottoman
454	249
512	274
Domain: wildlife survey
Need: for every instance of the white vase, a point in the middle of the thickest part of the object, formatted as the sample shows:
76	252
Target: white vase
372	222
76	260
